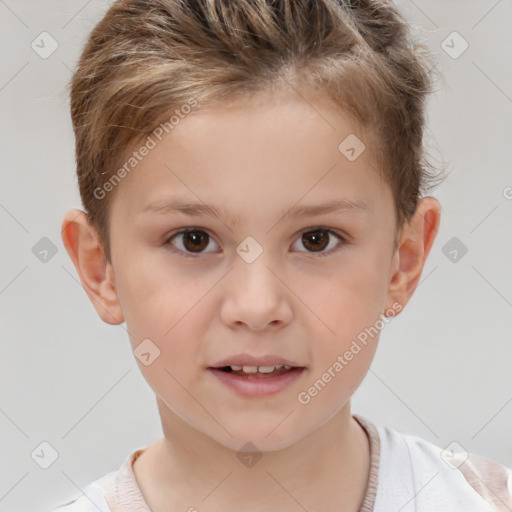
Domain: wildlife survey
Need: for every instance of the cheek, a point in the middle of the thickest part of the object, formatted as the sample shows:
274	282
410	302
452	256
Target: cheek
346	326
341	362
334	380
173	313
156	296
172	326
345	301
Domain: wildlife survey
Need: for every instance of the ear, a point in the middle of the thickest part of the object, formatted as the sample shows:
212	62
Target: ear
416	240
95	272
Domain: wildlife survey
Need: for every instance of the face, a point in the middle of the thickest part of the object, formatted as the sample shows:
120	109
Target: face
252	270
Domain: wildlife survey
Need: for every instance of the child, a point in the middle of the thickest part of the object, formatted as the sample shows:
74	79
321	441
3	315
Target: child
252	174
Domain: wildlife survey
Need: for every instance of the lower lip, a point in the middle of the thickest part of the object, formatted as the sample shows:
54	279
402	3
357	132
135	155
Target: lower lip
257	386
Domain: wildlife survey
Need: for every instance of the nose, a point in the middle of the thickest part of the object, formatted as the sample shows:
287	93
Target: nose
255	296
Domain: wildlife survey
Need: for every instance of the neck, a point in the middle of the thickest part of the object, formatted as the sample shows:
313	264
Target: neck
326	470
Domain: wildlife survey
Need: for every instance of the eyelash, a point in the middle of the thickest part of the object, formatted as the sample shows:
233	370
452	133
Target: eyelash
343	241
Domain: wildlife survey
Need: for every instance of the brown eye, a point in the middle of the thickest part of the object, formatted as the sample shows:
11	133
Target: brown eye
192	241
315	240
318	239
195	240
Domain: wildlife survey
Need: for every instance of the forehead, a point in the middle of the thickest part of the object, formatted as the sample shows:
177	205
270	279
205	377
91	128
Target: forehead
259	155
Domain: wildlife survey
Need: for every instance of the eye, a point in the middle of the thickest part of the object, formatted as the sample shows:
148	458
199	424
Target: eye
193	241
317	239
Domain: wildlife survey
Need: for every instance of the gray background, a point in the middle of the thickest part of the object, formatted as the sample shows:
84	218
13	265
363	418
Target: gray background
442	370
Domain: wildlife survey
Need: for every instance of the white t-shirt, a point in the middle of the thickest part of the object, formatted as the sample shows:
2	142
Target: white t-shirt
407	474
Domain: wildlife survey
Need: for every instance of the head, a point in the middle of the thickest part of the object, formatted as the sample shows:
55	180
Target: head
253	112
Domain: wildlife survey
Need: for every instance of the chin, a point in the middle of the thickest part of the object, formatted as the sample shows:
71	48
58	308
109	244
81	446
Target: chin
264	435
252	443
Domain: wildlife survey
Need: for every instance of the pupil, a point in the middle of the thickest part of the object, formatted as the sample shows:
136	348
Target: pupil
198	240
318	237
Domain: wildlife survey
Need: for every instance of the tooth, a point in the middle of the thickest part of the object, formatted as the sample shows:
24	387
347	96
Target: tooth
278	366
286	367
236	368
250	369
266	369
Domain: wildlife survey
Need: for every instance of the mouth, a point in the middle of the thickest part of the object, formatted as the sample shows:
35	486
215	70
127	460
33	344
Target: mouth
257	371
256	381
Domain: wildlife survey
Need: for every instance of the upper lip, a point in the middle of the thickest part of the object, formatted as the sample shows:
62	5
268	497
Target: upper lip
248	360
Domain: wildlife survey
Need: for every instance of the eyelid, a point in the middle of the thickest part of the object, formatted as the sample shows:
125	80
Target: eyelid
167	241
343	240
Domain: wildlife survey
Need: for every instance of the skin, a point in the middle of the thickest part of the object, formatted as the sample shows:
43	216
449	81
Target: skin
256	160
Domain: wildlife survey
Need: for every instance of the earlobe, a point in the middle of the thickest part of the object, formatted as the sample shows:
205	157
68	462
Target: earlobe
416	241
82	244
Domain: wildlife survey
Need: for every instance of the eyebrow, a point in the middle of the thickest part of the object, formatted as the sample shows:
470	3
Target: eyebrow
176	205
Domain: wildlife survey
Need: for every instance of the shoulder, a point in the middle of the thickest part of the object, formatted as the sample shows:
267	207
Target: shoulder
116	490
93	498
488	477
418	475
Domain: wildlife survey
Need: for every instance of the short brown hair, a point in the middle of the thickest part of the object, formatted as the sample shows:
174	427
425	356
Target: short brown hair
148	58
